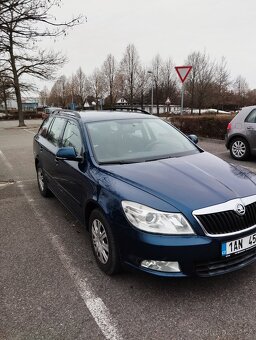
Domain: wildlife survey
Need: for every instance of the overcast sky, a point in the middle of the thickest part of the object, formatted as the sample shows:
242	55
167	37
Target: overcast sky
171	28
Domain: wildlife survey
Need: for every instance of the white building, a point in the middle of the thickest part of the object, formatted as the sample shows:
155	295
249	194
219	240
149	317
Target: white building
122	101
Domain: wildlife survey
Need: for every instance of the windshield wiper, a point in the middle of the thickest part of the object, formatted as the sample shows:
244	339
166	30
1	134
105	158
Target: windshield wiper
157	158
118	162
141	160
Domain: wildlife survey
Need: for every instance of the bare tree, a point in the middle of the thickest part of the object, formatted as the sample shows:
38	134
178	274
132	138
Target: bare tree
81	89
241	89
200	79
130	66
23	23
97	86
44	96
206	73
143	84
71	96
120	85
59	92
157	64
190	85
222	81
169	80
251	97
110	72
6	90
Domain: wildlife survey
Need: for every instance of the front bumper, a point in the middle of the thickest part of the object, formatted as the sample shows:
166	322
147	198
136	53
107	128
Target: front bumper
196	255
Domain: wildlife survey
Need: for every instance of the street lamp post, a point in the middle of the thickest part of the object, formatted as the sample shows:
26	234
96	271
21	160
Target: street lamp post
152	90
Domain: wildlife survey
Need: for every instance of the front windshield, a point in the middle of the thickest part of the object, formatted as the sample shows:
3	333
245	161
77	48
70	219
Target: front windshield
136	140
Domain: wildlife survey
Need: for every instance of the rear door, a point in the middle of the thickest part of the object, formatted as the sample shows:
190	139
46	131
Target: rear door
40	140
250	128
51	145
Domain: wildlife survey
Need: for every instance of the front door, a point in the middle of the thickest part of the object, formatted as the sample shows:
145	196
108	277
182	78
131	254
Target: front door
72	175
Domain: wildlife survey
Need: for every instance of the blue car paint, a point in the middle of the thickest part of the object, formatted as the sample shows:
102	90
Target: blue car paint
124	182
189	182
171	185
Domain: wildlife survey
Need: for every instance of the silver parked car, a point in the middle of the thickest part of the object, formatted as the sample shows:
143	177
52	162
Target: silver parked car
241	134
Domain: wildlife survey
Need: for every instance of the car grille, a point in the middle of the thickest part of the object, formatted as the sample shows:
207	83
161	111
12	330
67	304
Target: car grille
226	222
226	264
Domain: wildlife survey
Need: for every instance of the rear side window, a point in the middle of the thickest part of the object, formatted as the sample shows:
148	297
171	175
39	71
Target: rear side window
44	127
55	132
72	137
251	118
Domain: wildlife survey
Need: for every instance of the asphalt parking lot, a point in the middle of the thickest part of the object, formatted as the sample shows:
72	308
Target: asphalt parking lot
51	288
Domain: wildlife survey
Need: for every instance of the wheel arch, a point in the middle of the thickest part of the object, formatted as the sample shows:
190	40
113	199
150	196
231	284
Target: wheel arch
36	162
89	207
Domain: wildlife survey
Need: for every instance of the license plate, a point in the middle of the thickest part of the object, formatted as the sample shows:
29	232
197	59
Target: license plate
239	245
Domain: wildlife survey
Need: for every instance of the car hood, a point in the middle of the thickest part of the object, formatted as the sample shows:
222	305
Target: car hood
190	182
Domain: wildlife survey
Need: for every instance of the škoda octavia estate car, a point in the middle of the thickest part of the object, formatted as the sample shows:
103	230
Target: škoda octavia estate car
149	196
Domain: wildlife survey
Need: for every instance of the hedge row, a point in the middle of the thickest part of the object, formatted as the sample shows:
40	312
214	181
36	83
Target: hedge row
202	126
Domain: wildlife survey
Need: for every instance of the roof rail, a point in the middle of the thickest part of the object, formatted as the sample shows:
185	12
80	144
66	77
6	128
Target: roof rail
127	108
70	112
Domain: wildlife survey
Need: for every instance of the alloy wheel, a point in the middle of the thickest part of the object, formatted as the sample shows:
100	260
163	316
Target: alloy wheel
40	177
100	241
239	149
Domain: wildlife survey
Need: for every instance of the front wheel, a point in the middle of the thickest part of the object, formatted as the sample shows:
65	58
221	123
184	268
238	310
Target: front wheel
103	243
239	149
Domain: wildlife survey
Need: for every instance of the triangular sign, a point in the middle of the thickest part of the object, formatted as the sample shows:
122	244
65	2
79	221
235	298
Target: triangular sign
183	72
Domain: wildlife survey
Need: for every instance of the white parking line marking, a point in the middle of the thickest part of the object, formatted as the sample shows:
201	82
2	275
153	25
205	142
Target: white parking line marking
95	305
5	184
26	181
33	133
6	162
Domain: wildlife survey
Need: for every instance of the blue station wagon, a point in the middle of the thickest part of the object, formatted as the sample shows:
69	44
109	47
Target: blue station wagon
150	198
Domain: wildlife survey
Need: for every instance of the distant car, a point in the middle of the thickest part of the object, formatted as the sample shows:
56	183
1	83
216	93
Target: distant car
49	110
241	134
150	198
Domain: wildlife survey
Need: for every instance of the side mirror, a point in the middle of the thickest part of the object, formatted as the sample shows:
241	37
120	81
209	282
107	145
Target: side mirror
68	153
194	138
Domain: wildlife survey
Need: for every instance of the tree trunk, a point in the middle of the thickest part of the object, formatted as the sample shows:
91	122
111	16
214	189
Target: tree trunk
5	103
157	101
131	90
192	99
16	85
111	97
142	101
18	98
131	97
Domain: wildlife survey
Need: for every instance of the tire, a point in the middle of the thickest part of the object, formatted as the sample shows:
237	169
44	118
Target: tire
42	185
239	149
103	243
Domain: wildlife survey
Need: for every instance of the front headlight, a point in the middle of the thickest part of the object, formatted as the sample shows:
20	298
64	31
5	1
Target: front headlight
154	221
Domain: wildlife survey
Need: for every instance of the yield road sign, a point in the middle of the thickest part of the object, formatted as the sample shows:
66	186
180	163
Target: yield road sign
183	72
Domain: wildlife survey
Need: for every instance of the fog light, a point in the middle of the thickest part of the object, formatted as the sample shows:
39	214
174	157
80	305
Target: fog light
161	266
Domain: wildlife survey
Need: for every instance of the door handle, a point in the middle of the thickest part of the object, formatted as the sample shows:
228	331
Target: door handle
250	128
41	148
